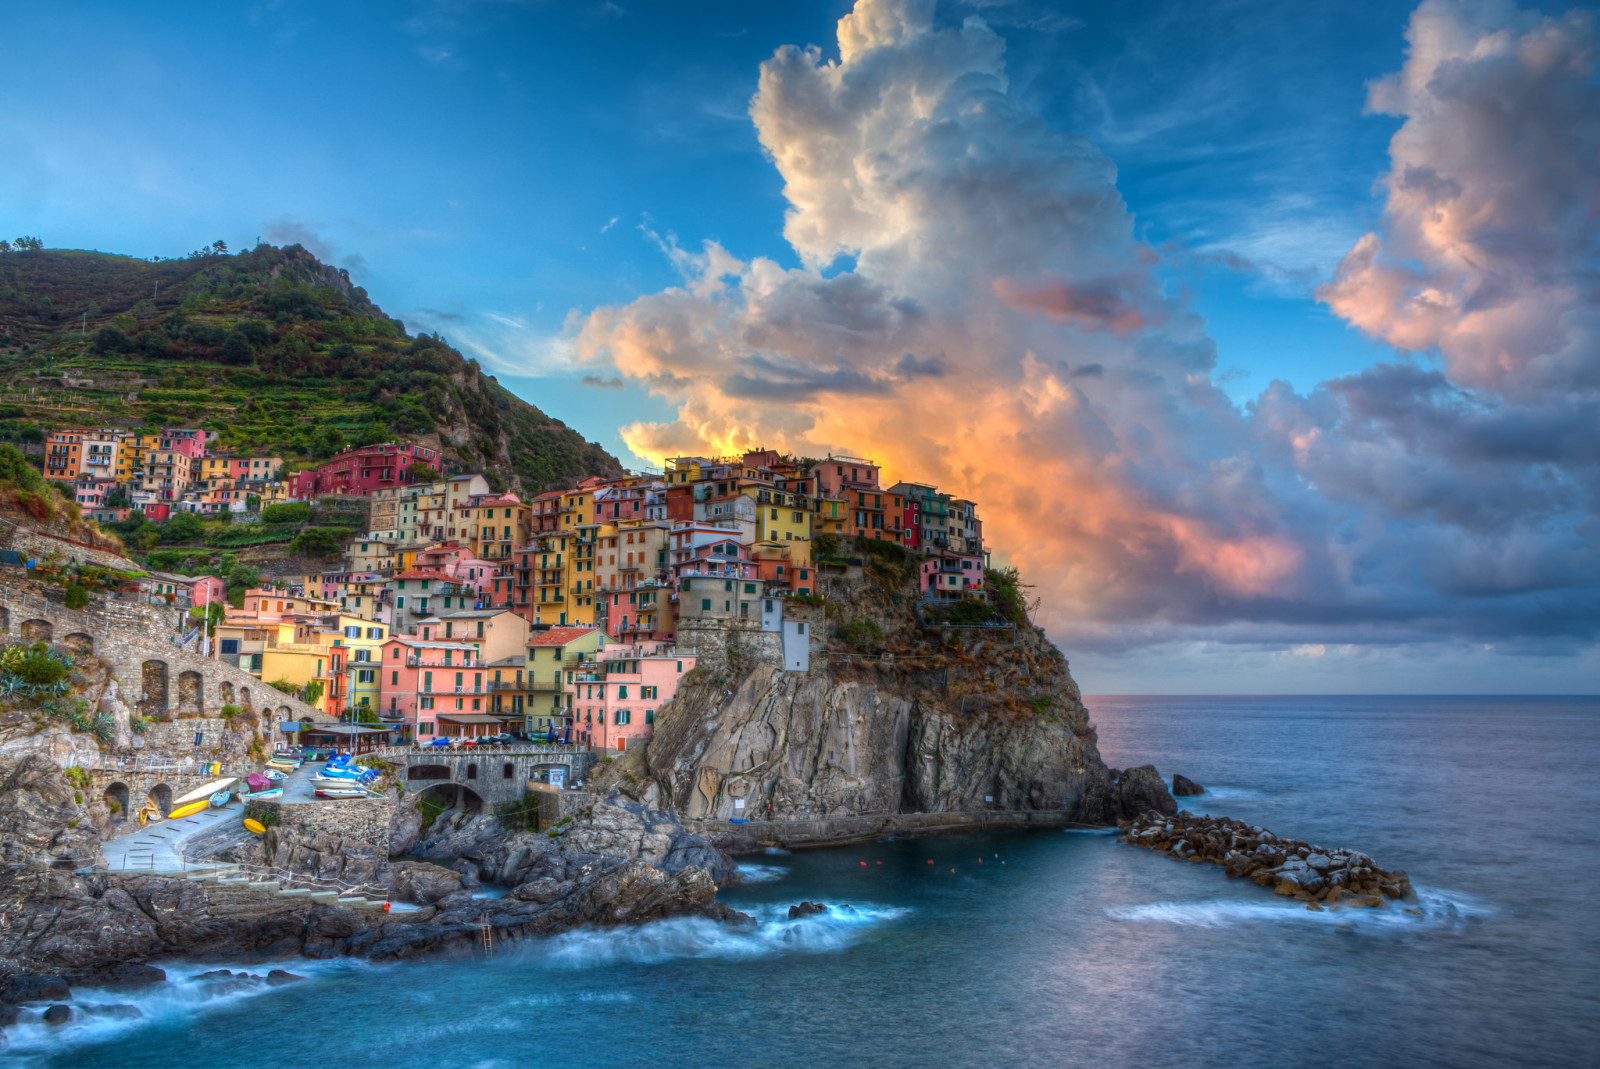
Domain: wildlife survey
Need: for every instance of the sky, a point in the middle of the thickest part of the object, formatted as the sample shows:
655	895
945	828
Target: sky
1267	337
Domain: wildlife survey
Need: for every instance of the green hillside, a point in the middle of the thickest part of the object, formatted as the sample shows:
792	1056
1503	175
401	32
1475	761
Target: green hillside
271	348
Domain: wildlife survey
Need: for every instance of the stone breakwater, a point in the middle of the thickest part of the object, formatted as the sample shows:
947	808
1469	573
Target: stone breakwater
1321	878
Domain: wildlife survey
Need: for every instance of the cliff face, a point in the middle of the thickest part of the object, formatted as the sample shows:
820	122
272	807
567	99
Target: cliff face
926	720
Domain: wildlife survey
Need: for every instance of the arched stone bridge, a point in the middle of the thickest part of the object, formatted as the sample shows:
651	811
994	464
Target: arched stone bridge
154	677
494	774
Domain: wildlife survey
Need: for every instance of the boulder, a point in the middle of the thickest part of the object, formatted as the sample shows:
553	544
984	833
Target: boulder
27	988
58	1014
1140	790
1185	788
423	883
806	909
278	977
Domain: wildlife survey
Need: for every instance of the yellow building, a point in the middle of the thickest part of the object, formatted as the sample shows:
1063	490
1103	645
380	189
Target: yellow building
131	455
548	655
309	656
577	508
579	574
364	638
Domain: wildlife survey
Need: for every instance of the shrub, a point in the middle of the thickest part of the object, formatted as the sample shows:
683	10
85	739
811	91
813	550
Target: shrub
1005	591
1042	704
286	512
229	711
77	596
864	636
78	777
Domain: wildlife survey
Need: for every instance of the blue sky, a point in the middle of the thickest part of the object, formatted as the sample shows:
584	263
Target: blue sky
501	162
500	170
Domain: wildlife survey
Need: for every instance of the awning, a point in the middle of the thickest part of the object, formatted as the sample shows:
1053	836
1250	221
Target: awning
476	718
338	729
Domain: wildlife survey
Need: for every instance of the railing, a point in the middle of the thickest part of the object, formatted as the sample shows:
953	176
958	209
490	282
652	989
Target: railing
417	662
285	878
507	684
526	749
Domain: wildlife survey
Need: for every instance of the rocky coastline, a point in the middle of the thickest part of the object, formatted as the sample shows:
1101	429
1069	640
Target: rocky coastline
1321	878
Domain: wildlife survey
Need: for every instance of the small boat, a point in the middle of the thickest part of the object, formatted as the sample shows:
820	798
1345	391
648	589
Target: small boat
275	774
283	766
202	794
255	827
221	798
342	792
189	810
274	792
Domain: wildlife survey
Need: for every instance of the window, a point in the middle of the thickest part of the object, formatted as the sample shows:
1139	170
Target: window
424	703
705	606
749	588
622	690
800	628
230	645
364	675
680	667
394	654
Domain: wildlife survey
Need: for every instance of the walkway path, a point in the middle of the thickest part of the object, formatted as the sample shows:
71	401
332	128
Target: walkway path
159	847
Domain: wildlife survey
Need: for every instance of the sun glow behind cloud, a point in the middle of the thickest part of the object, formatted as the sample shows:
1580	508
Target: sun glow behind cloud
1004	333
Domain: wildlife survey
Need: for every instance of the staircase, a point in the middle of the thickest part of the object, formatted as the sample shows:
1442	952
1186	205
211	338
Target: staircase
284	885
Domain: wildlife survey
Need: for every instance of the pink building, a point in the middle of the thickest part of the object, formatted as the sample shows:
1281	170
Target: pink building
952	576
614	694
725	557
434	688
456	561
361	471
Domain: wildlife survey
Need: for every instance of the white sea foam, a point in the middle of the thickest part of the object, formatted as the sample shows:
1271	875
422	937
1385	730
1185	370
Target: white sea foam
181	997
777	851
1433	909
697	937
1089	831
751	873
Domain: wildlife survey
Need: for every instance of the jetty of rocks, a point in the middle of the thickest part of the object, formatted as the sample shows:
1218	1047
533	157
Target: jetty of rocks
1321	878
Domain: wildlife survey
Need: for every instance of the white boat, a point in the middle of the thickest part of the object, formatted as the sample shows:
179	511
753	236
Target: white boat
272	792
343	792
203	792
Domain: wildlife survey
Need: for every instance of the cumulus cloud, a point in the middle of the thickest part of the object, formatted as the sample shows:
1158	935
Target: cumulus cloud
1488	247
998	328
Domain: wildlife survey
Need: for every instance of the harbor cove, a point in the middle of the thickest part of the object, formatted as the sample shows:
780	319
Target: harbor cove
1027	948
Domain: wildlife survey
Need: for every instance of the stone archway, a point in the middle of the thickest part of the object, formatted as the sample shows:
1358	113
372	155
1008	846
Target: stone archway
79	643
5	620
161	795
472	770
153	689
227	692
244	699
427	772
37	631
116	798
191	693
442	796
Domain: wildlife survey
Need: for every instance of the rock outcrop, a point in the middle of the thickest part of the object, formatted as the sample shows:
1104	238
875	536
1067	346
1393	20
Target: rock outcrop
1183	787
1321	878
947	733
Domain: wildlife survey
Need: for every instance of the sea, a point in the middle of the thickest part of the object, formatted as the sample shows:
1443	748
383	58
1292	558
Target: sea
1043	948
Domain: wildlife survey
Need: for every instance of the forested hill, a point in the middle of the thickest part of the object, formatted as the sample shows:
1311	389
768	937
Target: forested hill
275	350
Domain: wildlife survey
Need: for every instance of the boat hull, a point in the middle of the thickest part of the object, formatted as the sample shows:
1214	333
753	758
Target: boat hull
189	810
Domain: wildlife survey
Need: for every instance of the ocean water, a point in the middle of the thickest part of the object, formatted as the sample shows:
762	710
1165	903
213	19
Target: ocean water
1041	948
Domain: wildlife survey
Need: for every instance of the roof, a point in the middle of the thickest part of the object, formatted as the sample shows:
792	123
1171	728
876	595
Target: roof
407	640
473	614
421	573
560	636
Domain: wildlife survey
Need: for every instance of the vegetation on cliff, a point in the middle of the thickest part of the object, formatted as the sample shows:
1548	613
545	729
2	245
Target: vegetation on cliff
276	351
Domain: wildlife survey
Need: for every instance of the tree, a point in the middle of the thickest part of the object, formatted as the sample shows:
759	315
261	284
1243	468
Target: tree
313	692
373	434
5	246
109	339
25	244
327	441
219	247
77	596
182	527
316	542
236	349
421	473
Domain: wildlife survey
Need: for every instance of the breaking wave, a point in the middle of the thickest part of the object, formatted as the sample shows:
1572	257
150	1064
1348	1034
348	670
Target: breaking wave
1446	909
678	938
104	1014
750	873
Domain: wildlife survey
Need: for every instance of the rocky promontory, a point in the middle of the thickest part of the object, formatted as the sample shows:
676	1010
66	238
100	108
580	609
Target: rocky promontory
1320	877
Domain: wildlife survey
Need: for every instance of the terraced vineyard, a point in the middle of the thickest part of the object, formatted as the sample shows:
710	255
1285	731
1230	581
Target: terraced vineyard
274	350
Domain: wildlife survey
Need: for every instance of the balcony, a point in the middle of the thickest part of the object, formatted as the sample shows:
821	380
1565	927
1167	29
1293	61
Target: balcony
507	684
414	661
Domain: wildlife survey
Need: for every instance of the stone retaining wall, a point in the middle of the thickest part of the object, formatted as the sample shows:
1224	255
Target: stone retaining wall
36	545
366	819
